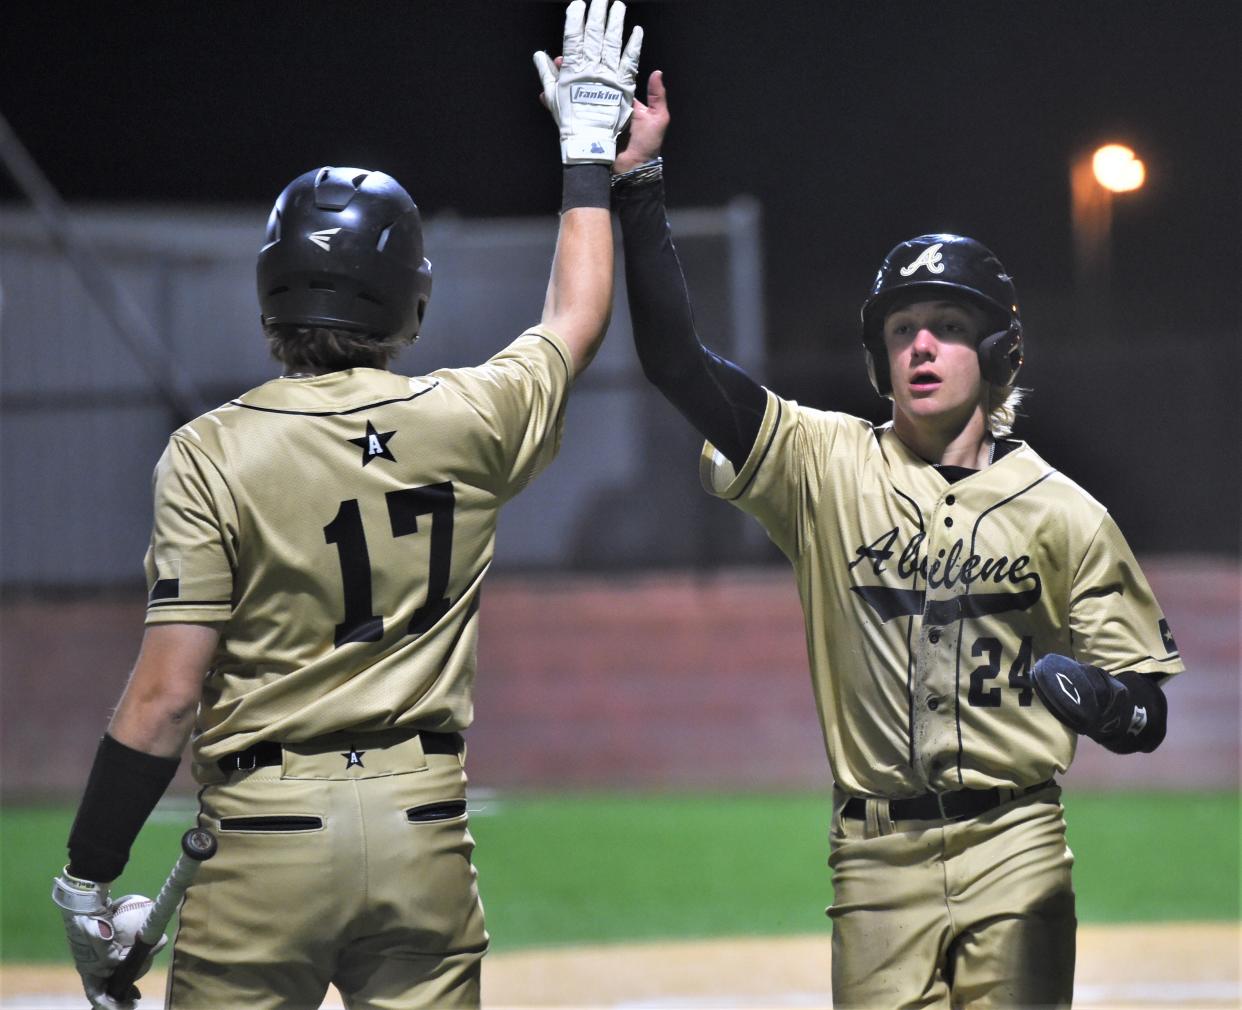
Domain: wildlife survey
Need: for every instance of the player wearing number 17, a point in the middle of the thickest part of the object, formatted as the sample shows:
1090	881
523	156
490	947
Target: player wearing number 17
315	568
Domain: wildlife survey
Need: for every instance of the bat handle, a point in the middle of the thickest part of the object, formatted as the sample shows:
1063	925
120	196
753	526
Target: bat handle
197	845
121	980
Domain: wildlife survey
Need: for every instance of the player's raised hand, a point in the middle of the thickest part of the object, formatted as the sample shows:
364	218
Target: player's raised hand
644	137
590	89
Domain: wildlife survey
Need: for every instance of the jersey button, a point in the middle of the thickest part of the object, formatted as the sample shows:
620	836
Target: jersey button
949	499
948	520
933	703
933	636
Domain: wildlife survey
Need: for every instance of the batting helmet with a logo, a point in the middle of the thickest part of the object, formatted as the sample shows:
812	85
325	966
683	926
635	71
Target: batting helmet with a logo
932	266
344	249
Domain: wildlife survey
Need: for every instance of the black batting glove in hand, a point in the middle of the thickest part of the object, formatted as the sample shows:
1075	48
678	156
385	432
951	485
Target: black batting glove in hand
100	933
1124	713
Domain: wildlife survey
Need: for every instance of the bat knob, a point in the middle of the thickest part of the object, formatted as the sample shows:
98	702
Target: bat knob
199	844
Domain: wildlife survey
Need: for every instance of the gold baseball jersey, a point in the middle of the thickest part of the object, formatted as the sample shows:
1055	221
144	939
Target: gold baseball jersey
337	528
927	603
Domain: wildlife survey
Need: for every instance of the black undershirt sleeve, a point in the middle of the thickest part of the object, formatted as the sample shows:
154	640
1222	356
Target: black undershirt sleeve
724	403
1141	689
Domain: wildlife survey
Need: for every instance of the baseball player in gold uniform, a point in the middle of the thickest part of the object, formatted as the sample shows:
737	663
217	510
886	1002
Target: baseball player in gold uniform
969	611
315	566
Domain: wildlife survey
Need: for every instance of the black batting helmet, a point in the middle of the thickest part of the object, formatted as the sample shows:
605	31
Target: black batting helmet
945	265
345	249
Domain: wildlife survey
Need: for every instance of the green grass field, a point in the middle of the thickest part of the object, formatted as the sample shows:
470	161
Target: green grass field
605	867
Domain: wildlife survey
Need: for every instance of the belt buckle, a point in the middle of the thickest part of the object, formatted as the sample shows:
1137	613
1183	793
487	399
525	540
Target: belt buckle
944	814
254	760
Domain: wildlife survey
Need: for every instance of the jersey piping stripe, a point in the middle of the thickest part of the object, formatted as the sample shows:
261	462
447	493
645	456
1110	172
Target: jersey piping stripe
776	426
909	639
1004	501
564	363
336	413
188	603
957	677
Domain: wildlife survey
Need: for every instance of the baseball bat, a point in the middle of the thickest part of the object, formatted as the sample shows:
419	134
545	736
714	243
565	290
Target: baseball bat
197	845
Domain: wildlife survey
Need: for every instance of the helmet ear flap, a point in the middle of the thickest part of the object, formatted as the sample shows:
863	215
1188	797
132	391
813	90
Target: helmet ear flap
1000	355
422	294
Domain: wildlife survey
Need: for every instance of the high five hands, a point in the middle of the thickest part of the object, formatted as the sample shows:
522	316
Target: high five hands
590	88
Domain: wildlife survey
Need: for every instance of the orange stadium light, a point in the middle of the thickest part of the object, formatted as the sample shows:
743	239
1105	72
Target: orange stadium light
1117	169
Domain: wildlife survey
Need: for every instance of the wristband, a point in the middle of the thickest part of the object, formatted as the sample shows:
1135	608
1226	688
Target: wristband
641	175
123	788
77	896
584	186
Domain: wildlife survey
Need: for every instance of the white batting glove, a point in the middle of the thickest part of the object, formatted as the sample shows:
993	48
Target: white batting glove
592	94
100	934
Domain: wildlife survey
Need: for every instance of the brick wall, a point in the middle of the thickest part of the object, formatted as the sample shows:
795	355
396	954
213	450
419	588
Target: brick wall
669	680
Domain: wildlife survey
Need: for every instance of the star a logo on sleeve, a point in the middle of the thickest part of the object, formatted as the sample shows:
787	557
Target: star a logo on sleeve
1166	636
374	445
353	758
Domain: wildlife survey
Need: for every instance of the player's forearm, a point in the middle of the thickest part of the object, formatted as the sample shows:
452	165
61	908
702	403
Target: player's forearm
122	790
1126	712
138	756
1142	715
158	726
579	299
668	347
157	710
713	394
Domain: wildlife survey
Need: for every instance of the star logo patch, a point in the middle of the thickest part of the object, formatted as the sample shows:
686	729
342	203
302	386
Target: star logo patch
1166	636
374	445
353	758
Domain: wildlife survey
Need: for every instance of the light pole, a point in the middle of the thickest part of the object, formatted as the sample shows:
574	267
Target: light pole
1094	178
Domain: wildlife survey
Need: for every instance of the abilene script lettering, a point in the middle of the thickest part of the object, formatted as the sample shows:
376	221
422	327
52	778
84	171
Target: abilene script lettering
948	568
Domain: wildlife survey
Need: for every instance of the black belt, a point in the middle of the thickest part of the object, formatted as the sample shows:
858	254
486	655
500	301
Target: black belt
955	806
268	752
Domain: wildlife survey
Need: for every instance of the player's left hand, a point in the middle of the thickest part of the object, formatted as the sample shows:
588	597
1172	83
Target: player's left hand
590	88
644	137
100	933
1126	712
1083	697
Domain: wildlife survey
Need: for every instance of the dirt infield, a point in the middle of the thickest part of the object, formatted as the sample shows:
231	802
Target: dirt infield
1144	967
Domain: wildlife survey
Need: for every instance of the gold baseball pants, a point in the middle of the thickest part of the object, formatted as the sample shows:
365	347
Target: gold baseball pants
354	871
976	913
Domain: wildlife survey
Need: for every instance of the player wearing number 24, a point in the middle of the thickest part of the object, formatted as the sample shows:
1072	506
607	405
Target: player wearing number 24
318	548
968	610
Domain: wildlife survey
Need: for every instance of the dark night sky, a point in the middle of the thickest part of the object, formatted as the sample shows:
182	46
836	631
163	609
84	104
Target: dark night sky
855	124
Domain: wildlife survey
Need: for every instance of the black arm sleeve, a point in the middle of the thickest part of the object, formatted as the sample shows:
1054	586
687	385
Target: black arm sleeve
724	403
123	788
1143	712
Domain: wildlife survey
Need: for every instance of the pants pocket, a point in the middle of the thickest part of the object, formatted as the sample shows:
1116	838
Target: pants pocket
273	822
444	811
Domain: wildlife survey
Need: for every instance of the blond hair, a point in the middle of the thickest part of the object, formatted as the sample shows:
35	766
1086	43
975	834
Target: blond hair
1001	408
